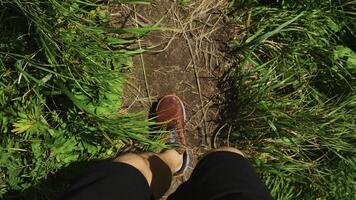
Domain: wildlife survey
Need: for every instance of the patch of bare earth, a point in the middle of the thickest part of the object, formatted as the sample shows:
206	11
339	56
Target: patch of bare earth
184	58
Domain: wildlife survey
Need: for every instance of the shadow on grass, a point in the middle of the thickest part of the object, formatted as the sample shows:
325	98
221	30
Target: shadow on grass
55	184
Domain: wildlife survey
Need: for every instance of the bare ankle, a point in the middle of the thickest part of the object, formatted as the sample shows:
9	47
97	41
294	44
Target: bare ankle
173	159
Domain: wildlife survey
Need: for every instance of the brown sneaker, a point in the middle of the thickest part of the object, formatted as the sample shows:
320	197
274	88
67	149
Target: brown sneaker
170	110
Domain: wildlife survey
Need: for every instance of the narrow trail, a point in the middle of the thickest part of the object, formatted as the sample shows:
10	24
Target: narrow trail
185	58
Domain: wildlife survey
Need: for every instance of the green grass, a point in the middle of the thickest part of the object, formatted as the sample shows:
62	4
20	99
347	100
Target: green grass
291	101
290	96
62	68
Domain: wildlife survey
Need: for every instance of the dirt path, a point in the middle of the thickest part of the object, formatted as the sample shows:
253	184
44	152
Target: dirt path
185	59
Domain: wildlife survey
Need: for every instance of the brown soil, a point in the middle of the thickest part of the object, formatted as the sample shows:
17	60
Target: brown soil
185	60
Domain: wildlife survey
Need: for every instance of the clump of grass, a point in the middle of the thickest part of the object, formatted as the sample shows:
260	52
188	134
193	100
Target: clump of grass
62	69
291	98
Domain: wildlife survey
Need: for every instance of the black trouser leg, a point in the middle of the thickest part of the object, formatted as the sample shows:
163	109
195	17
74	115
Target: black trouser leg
222	176
111	181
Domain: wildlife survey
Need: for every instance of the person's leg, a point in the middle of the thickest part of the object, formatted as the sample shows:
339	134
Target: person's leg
157	168
223	174
130	176
110	180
